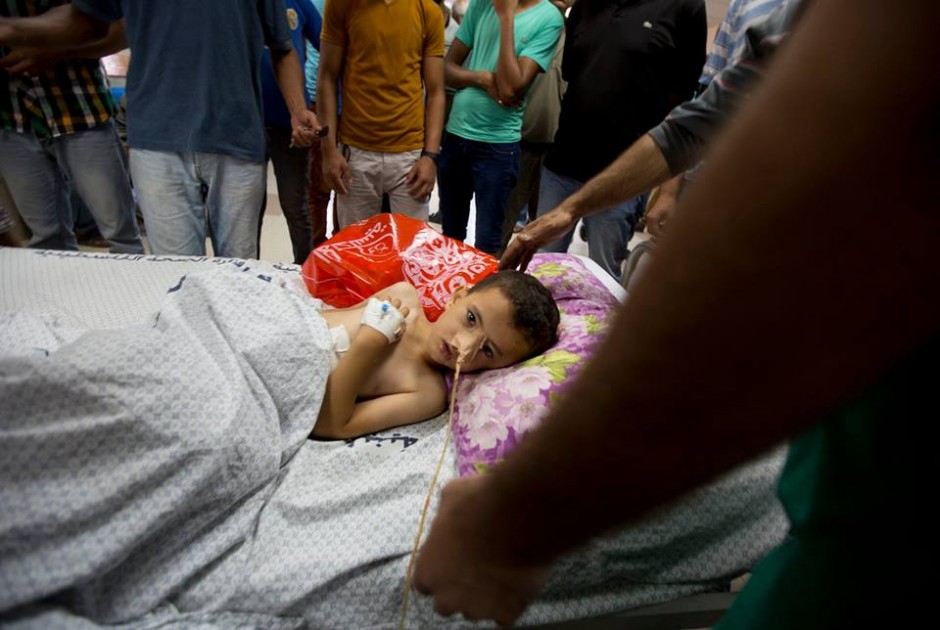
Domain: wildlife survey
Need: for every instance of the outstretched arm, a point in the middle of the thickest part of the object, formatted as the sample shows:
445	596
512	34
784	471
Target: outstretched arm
670	148
638	169
736	318
386	412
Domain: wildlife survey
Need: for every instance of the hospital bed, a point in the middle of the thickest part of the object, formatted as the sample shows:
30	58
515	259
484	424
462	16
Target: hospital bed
329	544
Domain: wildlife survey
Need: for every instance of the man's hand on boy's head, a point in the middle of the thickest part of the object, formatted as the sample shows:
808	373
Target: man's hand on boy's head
543	230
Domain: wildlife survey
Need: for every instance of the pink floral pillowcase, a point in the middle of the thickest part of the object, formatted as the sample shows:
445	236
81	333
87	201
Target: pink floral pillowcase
495	409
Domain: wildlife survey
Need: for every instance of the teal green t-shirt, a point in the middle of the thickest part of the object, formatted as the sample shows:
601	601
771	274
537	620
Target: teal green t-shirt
475	115
856	488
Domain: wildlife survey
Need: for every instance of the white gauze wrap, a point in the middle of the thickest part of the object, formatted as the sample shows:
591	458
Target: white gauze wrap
384	317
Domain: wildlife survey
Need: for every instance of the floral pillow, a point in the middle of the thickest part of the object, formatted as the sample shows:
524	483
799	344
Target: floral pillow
496	408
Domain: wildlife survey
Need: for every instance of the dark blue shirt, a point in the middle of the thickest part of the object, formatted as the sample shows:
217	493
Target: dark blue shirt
305	23
194	82
627	63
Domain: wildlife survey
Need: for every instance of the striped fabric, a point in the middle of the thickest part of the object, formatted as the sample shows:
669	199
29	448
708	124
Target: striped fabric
730	40
72	95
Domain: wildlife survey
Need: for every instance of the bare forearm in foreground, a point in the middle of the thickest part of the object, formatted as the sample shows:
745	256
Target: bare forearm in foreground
748	327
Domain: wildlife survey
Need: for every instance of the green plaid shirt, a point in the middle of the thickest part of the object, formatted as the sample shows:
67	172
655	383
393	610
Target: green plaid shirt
72	95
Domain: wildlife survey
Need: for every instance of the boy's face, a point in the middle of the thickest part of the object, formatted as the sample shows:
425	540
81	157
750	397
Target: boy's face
479	324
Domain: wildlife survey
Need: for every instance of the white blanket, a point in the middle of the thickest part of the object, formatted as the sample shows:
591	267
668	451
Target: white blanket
132	459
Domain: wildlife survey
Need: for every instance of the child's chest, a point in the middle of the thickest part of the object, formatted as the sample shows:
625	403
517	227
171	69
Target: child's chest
399	371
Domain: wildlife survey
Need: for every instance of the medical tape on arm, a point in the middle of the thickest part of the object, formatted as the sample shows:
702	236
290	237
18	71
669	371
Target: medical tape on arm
383	317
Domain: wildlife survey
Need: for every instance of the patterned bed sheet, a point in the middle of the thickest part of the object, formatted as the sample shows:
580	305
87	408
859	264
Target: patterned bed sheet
331	534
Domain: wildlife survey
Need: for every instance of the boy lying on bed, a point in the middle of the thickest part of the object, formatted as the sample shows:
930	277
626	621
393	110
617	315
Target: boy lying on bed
392	360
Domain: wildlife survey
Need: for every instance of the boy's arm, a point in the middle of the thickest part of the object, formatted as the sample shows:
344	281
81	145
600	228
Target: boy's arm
393	410
342	388
382	321
513	74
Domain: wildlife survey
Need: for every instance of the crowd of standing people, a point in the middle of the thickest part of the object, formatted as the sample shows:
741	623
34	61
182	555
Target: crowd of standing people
345	102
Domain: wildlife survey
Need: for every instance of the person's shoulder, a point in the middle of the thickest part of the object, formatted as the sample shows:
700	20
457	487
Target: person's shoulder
400	289
550	14
432	14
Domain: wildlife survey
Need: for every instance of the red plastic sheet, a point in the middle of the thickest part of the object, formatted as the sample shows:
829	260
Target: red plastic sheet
387	248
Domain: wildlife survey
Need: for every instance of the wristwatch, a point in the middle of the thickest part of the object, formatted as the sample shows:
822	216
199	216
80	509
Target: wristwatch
434	155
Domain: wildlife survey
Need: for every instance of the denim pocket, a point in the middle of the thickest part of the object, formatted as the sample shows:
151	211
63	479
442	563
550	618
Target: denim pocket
501	149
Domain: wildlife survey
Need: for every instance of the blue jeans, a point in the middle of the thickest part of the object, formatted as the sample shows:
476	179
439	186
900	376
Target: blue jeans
608	232
40	172
184	195
487	169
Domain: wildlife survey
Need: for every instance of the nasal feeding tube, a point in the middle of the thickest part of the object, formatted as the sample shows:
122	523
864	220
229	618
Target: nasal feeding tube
467	352
409	573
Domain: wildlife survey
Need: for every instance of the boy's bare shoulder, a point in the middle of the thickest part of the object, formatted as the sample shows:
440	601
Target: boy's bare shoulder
407	295
401	290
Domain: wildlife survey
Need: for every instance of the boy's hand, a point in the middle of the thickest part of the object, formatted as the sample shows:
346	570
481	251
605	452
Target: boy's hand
385	316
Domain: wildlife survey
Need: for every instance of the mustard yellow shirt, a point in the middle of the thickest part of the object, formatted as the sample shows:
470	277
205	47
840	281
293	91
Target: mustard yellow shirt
382	84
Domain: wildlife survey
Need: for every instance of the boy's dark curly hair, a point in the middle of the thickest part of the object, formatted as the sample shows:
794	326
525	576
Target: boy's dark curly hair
535	312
